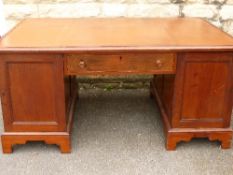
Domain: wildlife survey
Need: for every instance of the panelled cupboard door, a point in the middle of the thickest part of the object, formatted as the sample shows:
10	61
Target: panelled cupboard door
203	91
32	92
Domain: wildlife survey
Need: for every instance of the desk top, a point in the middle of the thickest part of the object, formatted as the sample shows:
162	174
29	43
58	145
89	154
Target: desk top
113	34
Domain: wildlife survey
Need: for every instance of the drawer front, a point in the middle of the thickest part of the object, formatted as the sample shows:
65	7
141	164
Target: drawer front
120	64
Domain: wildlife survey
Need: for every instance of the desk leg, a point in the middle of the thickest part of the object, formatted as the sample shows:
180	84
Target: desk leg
9	140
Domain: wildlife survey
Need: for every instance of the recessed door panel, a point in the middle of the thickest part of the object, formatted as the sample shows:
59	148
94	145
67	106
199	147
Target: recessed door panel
33	88
204	90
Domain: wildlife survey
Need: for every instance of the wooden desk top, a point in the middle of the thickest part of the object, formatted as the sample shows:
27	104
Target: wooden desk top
114	34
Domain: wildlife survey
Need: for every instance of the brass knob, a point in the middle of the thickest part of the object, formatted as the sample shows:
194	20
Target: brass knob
159	63
82	64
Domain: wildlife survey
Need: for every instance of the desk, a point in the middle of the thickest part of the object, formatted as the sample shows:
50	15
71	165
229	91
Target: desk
191	61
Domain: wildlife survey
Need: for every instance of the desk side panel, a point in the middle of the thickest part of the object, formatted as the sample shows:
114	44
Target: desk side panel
164	85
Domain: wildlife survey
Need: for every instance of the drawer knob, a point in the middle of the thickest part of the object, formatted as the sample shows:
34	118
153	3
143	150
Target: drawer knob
159	63
82	64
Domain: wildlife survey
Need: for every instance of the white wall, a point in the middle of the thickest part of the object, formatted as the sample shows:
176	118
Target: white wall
2	20
218	12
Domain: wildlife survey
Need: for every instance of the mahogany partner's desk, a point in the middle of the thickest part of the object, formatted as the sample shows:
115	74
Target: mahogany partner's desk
191	61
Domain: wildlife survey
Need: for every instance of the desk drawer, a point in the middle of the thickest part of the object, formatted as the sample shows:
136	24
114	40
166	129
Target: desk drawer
120	64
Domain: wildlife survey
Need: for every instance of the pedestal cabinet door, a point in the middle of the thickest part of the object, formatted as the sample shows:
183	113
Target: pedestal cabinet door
32	91
203	92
